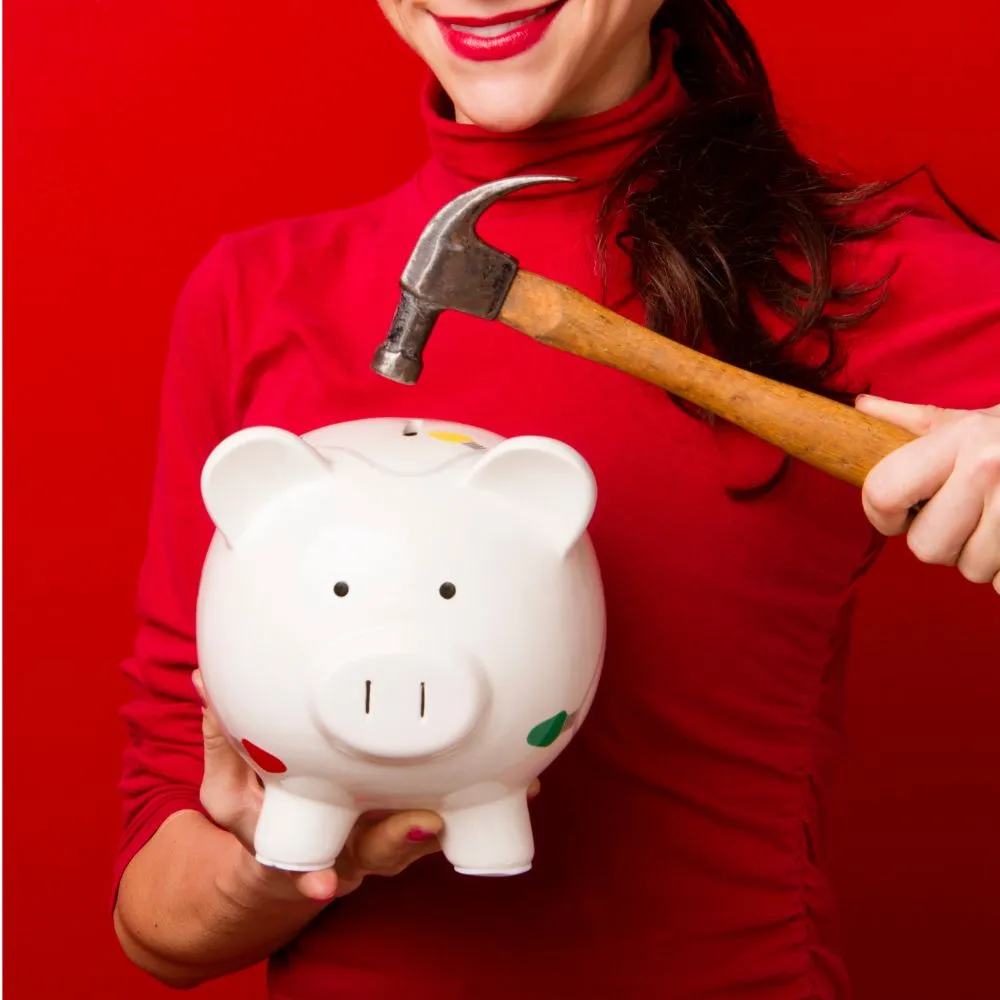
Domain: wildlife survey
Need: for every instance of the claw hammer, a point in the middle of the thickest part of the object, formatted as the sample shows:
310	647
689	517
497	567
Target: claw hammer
453	268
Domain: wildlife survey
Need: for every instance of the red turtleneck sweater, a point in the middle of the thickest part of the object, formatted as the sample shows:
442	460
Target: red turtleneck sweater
680	836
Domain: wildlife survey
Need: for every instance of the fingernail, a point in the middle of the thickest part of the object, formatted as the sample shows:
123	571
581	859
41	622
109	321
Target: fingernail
418	836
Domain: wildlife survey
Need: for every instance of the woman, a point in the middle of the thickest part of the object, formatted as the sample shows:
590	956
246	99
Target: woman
680	836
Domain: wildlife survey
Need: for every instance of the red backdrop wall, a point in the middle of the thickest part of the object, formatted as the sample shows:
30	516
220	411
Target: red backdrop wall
136	133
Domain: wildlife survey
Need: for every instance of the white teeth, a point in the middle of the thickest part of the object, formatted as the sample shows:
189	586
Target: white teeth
495	30
491	30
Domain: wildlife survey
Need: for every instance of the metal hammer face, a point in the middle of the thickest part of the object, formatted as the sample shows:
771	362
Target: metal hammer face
450	268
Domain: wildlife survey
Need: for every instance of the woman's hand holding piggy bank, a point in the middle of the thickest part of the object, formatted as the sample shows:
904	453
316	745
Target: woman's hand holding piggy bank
380	843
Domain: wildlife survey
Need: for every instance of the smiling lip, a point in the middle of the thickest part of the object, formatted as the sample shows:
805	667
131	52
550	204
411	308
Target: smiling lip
483	38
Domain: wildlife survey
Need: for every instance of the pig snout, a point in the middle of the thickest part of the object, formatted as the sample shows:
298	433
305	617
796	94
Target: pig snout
400	706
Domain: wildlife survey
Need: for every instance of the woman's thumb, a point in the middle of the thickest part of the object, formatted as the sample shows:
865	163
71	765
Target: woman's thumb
319	886
916	418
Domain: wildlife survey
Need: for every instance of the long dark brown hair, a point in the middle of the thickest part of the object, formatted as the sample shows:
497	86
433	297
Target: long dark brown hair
722	198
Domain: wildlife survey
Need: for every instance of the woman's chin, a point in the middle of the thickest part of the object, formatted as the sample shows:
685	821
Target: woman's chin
501	108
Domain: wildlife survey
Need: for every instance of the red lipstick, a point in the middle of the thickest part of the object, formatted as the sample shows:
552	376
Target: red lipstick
502	37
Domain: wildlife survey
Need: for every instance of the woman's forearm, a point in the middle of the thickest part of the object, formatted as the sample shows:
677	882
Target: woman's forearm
193	905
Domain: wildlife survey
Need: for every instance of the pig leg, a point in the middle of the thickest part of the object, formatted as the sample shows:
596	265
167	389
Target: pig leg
490	838
299	834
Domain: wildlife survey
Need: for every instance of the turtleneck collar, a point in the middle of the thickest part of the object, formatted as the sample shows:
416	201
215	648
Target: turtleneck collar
592	148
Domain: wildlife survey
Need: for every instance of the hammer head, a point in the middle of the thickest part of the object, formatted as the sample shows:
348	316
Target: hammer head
450	268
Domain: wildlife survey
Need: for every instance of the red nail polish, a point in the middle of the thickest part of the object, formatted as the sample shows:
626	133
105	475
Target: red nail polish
418	836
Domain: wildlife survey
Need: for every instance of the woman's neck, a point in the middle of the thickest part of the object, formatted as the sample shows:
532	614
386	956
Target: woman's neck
589	147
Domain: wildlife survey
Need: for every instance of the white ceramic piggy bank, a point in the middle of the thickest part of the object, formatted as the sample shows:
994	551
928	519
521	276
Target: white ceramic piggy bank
399	614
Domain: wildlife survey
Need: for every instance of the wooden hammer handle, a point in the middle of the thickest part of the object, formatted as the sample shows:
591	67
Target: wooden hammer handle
831	436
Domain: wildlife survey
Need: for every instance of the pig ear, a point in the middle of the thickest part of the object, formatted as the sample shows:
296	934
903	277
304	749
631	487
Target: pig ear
546	480
249	469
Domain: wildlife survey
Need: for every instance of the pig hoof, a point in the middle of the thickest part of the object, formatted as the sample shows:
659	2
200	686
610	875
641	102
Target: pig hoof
288	867
495	872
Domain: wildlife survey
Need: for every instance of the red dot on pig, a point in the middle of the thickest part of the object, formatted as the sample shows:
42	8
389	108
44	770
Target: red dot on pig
264	760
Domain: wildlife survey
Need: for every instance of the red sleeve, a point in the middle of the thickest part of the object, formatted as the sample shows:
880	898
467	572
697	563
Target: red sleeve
936	338
162	765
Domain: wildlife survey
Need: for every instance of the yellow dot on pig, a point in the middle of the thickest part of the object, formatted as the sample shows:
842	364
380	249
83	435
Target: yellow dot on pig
451	436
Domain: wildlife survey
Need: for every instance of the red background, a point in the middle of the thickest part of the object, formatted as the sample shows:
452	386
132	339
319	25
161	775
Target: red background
136	133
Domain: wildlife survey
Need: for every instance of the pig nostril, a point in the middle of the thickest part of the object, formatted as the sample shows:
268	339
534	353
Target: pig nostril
368	697
423	698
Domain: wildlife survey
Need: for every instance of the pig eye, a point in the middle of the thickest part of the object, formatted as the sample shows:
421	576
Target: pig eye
447	591
341	589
